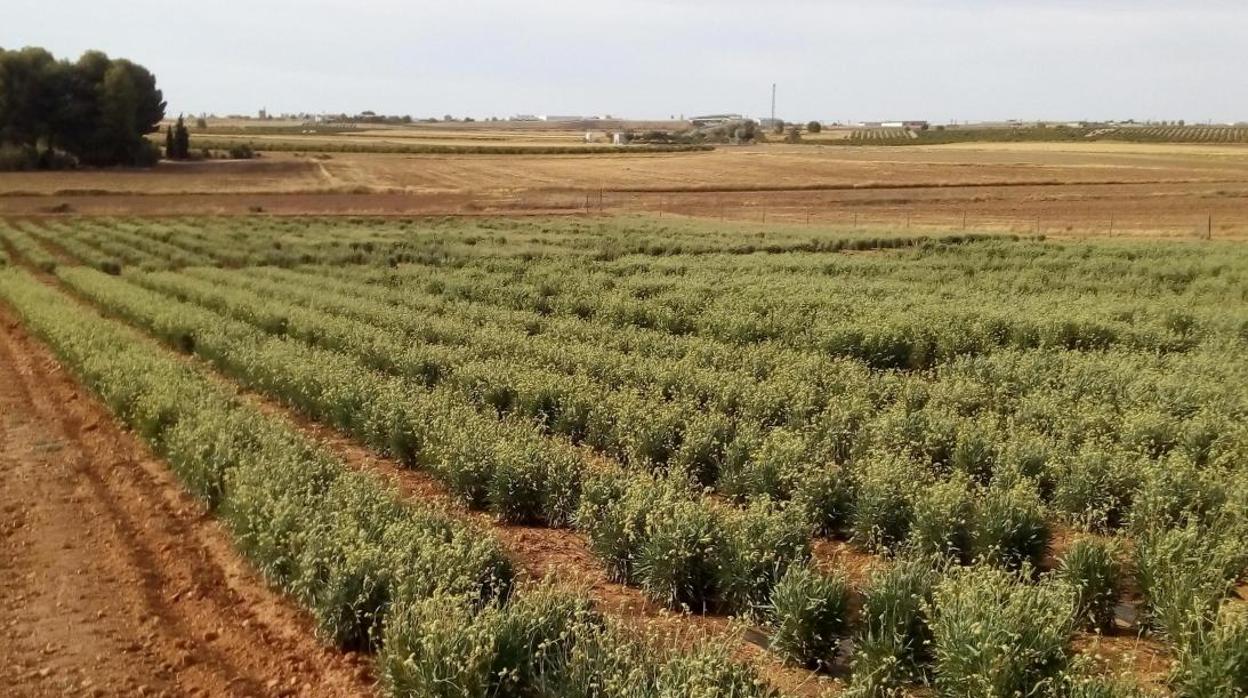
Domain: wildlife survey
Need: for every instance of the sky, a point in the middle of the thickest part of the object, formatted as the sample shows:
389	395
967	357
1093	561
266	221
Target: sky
939	60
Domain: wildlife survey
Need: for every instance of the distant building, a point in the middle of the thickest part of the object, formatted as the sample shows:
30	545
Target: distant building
715	119
561	118
525	117
914	125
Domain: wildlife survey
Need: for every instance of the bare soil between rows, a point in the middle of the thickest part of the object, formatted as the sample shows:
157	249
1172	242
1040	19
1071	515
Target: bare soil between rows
113	582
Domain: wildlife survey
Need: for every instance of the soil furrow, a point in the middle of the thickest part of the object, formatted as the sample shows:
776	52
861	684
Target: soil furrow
114	581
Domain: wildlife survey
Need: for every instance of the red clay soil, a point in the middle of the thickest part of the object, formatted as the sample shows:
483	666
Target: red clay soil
114	582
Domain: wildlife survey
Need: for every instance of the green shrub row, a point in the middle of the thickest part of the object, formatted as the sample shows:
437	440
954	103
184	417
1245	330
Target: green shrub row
434	595
635	428
687	552
337	541
973	631
27	248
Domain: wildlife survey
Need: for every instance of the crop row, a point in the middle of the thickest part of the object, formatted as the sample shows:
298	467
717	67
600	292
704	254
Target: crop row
436	596
832	317
615	511
288	242
1183	134
27	247
505	465
880	134
891	502
971	460
433	348
726	447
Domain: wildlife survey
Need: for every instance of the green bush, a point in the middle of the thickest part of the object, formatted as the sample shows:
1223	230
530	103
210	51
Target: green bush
677	561
705	440
997	636
811	612
1095	490
882	510
894	643
517	487
615	511
976	450
759	544
708	670
1090	566
1010	525
1084	681
1184	574
1213	663
825	496
439	647
537	633
944	516
1173	492
465	458
609	660
770	470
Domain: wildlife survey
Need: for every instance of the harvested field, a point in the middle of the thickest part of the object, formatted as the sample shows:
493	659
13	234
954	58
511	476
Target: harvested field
1076	189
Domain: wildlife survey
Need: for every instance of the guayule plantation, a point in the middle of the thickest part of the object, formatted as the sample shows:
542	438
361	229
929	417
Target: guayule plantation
379	354
958	461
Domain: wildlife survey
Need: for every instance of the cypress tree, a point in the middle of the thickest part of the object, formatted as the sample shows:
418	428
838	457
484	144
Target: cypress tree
170	151
182	139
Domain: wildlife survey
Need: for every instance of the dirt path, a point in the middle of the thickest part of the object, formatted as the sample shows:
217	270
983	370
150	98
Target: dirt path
113	582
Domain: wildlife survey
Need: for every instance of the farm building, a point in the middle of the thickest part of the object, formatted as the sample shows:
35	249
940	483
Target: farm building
913	125
715	119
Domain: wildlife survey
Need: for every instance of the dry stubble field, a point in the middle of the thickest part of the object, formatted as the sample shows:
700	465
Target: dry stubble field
1077	189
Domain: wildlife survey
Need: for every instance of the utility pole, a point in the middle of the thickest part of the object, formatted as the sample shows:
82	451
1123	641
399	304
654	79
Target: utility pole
773	105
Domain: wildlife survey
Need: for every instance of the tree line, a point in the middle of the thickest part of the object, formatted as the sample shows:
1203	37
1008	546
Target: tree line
57	113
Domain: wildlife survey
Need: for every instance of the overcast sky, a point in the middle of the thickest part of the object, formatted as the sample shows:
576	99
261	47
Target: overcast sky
890	59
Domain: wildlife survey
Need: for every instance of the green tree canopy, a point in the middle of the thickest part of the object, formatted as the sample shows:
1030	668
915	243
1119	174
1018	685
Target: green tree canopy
98	110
